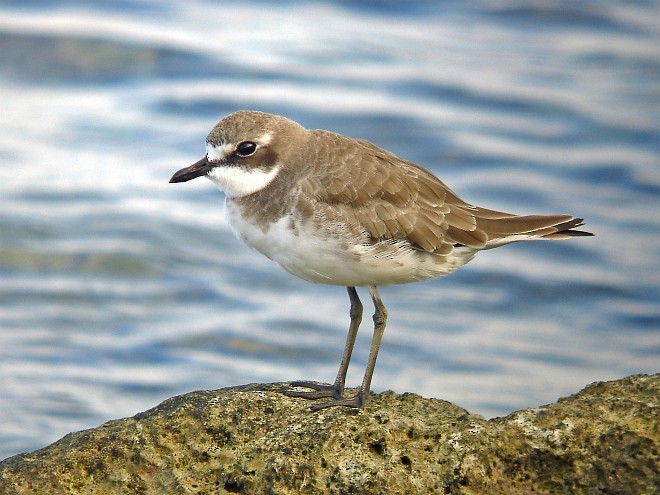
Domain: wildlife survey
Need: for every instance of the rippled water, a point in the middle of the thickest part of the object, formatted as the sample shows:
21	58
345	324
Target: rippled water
118	290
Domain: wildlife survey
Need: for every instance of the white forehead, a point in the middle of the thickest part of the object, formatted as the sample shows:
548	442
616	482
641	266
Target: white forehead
217	152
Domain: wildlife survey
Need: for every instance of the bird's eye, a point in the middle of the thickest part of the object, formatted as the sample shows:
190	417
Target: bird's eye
246	148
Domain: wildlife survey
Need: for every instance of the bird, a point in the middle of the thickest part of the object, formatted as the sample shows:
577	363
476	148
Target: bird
335	210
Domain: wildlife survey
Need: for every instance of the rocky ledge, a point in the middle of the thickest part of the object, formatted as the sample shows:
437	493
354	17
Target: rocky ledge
252	439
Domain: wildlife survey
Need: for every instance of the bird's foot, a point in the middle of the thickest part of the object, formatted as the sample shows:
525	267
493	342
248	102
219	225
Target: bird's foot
322	390
319	390
355	402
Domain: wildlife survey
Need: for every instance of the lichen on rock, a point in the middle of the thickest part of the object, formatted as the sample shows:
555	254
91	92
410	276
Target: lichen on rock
254	440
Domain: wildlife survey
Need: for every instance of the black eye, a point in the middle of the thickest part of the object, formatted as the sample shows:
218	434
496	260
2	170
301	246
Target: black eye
246	148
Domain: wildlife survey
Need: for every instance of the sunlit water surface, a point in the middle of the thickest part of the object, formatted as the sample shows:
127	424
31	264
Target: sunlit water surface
118	290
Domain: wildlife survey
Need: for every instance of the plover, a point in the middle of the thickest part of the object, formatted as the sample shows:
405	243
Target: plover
335	210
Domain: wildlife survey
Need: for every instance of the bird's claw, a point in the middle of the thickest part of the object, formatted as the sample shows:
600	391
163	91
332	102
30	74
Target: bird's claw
323	390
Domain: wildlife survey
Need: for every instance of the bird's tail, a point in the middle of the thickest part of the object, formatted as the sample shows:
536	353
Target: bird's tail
503	228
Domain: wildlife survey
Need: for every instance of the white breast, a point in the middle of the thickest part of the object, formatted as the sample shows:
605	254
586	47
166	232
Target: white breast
318	258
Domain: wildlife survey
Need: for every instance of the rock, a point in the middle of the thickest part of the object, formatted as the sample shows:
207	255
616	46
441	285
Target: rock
252	439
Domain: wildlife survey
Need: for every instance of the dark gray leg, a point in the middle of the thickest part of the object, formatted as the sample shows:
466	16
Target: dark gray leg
380	320
358	401
336	390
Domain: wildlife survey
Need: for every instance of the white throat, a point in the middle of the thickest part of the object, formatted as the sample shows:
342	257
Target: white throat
237	181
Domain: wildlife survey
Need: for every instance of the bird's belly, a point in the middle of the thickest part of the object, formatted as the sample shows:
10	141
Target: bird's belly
320	258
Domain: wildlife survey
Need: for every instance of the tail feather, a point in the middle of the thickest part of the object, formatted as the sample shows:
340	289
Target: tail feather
514	228
565	230
521	224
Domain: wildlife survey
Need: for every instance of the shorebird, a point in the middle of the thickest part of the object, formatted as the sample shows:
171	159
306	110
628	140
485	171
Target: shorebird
335	210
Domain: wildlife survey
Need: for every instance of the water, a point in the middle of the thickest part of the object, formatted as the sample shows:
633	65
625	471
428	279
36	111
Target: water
118	290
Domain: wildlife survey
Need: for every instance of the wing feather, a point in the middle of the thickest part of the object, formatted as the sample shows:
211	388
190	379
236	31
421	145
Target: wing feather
386	198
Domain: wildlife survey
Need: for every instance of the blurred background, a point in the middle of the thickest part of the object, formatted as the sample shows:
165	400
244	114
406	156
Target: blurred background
119	290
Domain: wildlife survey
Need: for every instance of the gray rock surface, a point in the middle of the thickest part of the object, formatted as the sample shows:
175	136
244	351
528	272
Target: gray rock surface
252	439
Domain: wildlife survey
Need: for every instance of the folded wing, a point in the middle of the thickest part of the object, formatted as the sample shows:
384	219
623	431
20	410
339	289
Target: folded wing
396	200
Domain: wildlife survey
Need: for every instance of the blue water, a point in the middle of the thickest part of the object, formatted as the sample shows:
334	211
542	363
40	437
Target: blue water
118	290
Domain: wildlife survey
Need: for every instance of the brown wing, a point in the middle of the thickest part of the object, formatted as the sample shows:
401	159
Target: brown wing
391	198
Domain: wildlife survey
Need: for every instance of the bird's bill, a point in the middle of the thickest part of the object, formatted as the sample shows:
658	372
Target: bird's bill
197	169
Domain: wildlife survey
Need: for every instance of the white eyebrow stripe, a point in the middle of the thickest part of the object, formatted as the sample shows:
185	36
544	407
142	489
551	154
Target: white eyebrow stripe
264	139
217	153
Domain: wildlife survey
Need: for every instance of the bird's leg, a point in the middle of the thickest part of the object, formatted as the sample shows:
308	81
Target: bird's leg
337	389
380	320
356	319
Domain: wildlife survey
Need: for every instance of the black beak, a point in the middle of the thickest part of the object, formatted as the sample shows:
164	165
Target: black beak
195	170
